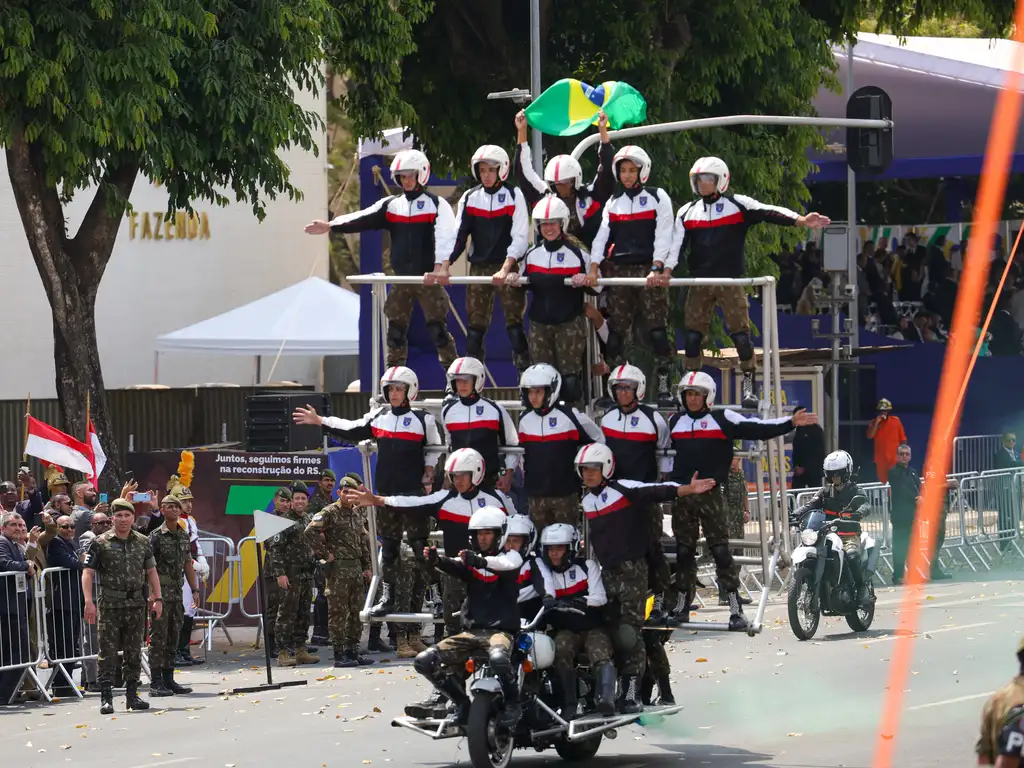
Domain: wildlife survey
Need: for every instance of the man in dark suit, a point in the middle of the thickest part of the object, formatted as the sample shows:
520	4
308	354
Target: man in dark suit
15	595
1006	491
64	621
808	456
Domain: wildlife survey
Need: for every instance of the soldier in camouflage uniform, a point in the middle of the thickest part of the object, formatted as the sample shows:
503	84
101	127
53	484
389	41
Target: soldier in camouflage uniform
173	554
998	711
658	668
410	591
736	505
318	619
322	496
339	542
272	592
290	561
124	560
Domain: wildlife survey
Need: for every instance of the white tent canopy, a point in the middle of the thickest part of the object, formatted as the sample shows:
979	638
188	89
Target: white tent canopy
313	318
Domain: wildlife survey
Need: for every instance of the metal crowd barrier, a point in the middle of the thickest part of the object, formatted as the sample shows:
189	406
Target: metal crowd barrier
60	612
18	657
975	453
217	593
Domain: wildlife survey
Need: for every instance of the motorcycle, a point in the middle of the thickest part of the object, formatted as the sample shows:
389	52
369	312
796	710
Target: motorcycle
821	584
540	727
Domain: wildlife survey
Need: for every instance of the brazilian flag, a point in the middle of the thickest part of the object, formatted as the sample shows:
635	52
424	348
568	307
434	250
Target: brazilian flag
569	106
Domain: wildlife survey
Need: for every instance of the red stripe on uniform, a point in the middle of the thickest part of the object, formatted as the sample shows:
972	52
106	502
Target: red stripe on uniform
636	216
572	435
563	271
422	218
724	221
576	588
414	436
446	514
700	434
642	437
622	503
484	576
483	213
523	576
482	424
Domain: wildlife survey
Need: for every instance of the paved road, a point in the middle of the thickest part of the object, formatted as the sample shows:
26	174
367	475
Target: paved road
769	701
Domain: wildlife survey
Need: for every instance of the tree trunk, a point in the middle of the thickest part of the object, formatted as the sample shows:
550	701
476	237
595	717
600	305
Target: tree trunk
71	270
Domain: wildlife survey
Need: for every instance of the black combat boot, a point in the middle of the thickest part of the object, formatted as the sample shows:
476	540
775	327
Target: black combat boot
604	688
565	684
386	604
665	696
106	700
344	659
665	397
647	688
157	686
629	695
172	686
132	700
748	399
737	621
373	643
658	616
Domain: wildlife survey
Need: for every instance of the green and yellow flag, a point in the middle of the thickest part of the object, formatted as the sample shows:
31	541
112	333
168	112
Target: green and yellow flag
569	106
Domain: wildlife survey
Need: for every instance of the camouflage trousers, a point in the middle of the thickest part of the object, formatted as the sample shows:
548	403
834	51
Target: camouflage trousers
596	643
480	311
410	589
659	575
345	589
563	345
546	510
453	595
292	625
398	310
689	515
391	523
736	503
700	305
456	650
626	585
657	659
121	629
165	632
271	601
625	302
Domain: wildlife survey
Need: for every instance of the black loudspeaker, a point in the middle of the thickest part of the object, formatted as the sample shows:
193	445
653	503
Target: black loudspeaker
269	427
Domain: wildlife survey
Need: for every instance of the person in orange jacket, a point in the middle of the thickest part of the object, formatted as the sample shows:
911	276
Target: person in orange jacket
887	432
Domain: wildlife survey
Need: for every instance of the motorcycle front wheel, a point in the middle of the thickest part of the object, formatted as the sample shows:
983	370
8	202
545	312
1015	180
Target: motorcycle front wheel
804	611
489	745
860	620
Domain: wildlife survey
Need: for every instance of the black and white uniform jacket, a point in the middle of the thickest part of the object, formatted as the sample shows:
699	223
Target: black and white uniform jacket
492	593
704	442
491	225
453	510
578	580
407	442
550	440
584	218
547	265
618	518
715	230
636	228
421	224
635	437
485	426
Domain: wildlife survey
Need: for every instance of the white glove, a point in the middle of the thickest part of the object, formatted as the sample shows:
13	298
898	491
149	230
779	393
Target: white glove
202	568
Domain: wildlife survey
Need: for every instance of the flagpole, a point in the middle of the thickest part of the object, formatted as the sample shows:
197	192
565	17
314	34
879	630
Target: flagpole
88	403
24	456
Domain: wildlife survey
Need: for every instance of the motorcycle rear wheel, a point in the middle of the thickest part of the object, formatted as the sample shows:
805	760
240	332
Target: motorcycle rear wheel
578	751
804	611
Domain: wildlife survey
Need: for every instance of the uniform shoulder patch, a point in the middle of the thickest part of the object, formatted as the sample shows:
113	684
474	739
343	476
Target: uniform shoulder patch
277	538
318	517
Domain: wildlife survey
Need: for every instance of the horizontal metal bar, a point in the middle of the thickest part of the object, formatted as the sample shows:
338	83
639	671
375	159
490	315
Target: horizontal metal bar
729	120
380	278
714	626
579	730
401	618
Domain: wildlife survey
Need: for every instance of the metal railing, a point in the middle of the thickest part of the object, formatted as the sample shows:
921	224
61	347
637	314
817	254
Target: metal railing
217	594
975	453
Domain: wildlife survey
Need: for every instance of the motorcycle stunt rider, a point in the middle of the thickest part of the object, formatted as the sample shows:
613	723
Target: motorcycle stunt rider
408	447
715	229
522	537
563	176
703	441
619	532
452	508
635	432
490	616
575	582
636	238
840	497
492	225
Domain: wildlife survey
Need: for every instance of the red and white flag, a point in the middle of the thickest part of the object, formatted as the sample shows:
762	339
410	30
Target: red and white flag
50	444
99	457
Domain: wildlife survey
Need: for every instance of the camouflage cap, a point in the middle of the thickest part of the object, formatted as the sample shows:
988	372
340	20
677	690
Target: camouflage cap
283	493
329	473
124	504
299	487
355	476
350	482
171	498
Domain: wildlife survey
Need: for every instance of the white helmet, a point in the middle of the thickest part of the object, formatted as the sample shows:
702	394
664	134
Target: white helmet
838	463
541	375
466	460
399	374
636	156
714	166
489	519
562	168
411	160
492	154
467	366
560	534
699	381
551	208
628	374
521	525
597	454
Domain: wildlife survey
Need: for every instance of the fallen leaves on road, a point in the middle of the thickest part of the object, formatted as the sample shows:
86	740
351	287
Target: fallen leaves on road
794	735
701	660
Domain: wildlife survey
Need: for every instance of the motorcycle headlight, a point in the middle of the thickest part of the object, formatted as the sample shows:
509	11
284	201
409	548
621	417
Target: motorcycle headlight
808	537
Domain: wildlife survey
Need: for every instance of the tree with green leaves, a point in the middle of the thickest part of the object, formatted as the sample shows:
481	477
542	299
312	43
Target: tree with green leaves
198	94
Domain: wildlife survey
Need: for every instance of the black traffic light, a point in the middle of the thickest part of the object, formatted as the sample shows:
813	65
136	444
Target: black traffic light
869	150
